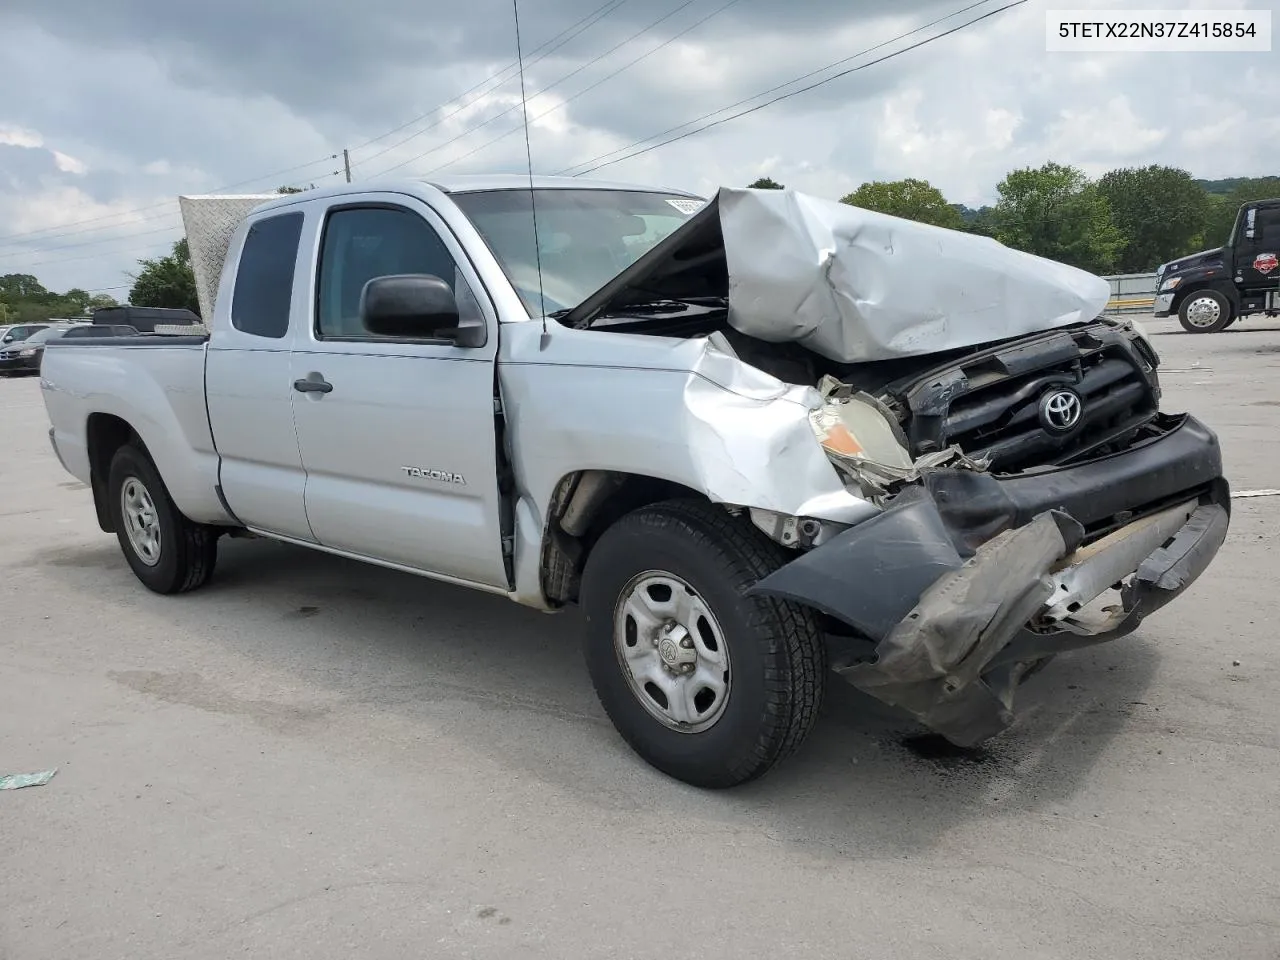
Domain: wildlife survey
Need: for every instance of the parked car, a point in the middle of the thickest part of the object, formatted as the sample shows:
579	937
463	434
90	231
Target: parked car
145	319
18	332
753	437
25	356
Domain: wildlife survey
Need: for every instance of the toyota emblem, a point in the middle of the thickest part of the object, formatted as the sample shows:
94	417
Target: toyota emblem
1060	411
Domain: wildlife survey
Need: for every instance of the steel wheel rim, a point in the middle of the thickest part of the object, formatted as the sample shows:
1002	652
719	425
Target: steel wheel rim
1203	312
672	651
141	522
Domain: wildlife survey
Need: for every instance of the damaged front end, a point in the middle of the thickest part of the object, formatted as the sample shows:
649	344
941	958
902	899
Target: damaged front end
1009	488
983	566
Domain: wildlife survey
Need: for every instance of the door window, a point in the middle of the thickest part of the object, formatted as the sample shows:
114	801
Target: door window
1267	227
361	243
264	278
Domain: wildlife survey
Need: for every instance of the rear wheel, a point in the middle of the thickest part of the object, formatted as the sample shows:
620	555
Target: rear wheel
1205	311
166	551
708	685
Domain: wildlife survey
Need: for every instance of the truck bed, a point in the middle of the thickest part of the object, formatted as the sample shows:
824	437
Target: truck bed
153	384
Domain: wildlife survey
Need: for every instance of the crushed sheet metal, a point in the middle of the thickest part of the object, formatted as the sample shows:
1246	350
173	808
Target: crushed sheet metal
931	664
16	781
1094	568
706	420
854	285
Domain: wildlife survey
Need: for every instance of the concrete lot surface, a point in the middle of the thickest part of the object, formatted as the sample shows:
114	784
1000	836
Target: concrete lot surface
315	759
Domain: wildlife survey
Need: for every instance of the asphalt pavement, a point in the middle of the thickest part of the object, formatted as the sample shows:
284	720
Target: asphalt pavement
315	759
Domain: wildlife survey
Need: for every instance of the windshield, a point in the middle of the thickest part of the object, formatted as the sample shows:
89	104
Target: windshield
585	237
50	333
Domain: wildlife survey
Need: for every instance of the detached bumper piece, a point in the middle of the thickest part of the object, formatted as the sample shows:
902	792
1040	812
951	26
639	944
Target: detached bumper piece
968	582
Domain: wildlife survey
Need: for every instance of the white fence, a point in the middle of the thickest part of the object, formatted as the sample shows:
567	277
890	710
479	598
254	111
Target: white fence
1131	292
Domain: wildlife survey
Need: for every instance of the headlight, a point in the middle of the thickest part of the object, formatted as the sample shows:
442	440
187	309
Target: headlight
1170	284
28	353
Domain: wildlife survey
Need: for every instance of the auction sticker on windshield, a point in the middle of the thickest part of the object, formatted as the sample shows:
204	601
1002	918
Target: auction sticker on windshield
686	206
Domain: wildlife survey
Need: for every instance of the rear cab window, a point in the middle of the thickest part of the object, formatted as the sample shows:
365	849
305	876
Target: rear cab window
263	290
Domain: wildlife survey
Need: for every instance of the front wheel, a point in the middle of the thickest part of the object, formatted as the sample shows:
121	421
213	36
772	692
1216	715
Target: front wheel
1205	311
708	685
167	552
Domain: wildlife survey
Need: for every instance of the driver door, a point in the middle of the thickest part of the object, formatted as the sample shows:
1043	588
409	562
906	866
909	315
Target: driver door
1258	250
400	448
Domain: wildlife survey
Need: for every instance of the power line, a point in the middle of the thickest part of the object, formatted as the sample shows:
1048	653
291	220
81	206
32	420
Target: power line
6	240
608	76
774	89
556	83
95	256
501	77
545	49
20	250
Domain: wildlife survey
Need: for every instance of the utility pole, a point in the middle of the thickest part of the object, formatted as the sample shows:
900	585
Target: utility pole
346	162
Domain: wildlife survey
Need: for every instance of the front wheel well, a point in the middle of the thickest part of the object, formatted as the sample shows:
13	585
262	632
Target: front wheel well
584	504
105	434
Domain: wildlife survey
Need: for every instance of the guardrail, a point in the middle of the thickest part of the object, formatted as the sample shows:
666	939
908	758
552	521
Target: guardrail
1131	292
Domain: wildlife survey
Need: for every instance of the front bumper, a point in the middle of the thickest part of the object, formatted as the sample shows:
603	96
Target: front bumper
1163	304
968	580
19	364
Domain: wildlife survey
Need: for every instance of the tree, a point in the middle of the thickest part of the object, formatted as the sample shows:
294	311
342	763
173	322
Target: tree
1161	211
1055	212
910	199
100	301
21	286
166	281
765	183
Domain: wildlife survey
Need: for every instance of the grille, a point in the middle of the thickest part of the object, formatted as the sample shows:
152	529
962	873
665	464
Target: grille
992	407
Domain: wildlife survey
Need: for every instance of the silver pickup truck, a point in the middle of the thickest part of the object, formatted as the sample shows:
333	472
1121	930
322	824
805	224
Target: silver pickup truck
757	438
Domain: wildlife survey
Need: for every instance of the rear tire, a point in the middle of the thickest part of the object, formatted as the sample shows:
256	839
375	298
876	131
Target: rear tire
165	550
752	668
1205	311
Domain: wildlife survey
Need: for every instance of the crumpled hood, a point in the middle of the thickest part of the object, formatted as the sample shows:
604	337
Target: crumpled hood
1191	260
850	284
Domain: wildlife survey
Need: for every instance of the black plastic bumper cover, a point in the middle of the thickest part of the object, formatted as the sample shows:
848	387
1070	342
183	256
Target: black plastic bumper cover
946	579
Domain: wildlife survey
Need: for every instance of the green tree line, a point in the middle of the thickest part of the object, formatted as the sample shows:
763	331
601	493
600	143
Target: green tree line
23	299
1129	220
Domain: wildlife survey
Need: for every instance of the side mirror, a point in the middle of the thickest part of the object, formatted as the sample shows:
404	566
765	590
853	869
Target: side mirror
416	306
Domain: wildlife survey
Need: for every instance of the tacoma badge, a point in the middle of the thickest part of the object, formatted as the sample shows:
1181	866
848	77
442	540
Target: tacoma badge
444	476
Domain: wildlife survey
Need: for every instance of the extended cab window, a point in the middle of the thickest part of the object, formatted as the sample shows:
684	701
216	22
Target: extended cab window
264	277
361	243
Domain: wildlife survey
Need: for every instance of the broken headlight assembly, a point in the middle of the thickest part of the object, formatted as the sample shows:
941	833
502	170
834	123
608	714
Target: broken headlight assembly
866	444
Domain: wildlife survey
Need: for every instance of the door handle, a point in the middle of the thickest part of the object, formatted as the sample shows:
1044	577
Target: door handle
312	386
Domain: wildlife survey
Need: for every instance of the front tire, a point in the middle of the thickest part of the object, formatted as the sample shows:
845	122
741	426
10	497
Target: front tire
165	550
708	685
1205	311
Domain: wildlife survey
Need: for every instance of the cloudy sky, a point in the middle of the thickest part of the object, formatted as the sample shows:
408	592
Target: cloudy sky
109	110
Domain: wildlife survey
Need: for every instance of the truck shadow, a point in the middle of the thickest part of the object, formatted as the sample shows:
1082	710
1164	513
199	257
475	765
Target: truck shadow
508	685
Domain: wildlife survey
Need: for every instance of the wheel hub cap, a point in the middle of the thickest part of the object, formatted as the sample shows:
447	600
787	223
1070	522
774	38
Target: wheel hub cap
1203	312
141	522
672	651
